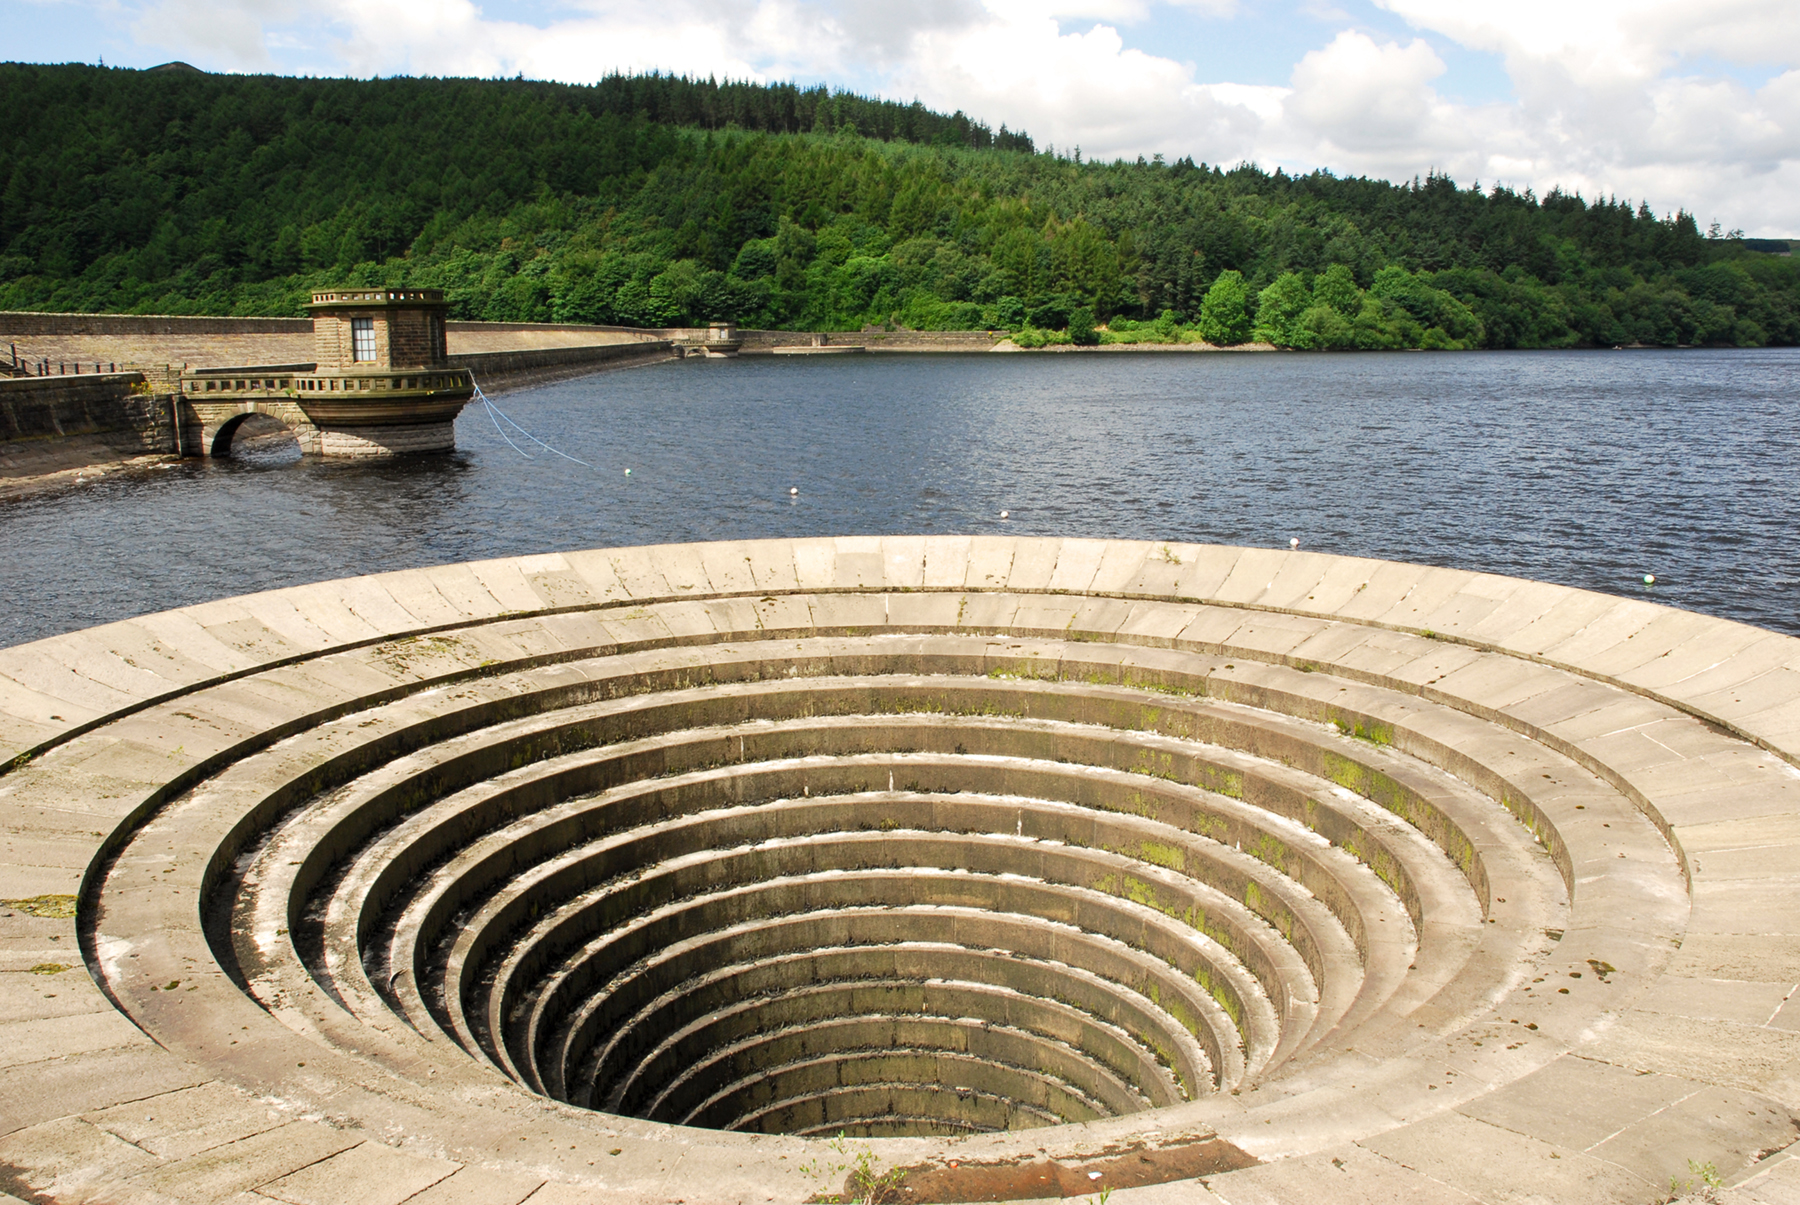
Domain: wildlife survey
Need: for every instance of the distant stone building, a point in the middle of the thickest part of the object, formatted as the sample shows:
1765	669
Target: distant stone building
381	384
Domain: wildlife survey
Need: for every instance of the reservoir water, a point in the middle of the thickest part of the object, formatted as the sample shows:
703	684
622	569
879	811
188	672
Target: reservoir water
1590	469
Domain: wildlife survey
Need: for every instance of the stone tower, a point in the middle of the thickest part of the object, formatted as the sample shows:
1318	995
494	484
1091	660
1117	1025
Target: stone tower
382	384
383	381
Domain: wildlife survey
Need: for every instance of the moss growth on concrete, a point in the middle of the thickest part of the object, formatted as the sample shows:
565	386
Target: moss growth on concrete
55	907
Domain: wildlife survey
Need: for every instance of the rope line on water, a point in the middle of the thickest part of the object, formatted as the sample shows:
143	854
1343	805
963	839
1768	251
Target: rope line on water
494	416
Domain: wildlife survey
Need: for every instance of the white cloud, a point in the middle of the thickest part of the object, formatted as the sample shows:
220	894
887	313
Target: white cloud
232	33
1611	97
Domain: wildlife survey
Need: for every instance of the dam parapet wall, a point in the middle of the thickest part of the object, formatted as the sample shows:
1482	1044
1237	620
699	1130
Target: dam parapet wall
53	425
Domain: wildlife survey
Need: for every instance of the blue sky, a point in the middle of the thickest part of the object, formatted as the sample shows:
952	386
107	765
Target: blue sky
1685	105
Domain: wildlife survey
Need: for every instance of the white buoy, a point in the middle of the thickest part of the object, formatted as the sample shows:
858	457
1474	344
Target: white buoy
1649	579
1006	514
628	472
793	491
1294	543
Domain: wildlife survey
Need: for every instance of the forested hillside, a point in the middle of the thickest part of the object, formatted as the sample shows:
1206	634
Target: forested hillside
660	201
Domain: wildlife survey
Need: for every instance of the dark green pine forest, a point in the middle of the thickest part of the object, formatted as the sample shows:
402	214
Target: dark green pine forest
660	201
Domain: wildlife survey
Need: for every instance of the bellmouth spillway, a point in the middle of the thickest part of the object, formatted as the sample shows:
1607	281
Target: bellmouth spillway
1029	866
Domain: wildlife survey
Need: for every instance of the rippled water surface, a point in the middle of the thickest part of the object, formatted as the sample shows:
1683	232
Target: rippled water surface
1586	468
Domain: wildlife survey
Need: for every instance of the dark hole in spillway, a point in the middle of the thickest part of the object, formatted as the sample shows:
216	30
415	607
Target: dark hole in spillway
867	892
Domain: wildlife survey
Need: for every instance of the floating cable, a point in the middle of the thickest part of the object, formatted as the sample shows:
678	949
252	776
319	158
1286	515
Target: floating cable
495	410
509	443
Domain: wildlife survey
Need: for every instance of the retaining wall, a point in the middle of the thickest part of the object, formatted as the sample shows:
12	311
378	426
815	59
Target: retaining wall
889	341
504	371
53	424
140	339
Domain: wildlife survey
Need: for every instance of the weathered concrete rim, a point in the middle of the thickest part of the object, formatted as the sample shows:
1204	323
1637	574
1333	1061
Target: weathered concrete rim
12	758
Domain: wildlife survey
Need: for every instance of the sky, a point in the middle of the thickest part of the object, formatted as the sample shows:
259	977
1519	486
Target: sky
1683	104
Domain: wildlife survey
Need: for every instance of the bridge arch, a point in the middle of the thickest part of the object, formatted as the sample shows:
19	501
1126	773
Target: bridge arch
221	425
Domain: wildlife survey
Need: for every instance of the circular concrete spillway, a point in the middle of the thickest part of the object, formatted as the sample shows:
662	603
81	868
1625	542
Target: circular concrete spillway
1030	867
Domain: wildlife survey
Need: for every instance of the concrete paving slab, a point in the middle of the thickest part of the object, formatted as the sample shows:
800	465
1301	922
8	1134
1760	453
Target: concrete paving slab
1499	1166
858	564
925	611
71	1160
24	1043
1159	574
477	1186
1776	1182
304	620
1213	628
555	1193
1766	651
728	568
1157	624
946	564
1253	572
1204	570
814	565
1295	583
1730	1130
1033	564
1521	604
368	1174
1122	563
510	583
1745	1057
182	1123
44	994
61	680
637	574
683	568
1745	957
78	1083
1076	563
1578	1102
1654	647
595	570
412	590
1739	1001
1569	613
987	612
1177	1192
990	562
1598	641
1431	590
248	1162
1386	585
1342	579
1344	1175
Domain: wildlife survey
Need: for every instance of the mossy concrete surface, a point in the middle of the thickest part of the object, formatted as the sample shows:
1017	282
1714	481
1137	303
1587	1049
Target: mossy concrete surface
928	868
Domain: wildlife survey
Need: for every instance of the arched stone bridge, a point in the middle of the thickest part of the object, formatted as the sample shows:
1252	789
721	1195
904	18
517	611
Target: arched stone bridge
369	414
382	383
1034	867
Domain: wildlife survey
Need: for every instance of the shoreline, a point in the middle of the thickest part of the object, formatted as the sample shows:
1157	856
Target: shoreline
17	487
47	464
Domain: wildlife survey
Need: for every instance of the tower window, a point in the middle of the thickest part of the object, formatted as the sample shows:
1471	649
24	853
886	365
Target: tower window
362	339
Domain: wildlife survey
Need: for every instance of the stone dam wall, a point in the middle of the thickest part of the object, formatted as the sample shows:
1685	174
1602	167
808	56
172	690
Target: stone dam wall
53	424
504	371
109	394
134	339
78	418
